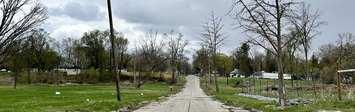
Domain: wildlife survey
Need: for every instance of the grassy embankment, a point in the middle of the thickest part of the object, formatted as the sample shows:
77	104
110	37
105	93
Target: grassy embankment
227	96
102	97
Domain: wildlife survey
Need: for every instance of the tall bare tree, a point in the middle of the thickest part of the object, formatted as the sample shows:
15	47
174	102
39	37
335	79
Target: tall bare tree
262	22
122	47
307	23
212	36
150	54
68	46
176	47
12	29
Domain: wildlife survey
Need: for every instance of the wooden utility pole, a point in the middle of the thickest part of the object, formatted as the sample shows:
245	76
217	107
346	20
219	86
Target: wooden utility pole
113	51
338	82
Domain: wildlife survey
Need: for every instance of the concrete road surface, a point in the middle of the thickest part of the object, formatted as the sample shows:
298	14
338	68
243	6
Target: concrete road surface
190	99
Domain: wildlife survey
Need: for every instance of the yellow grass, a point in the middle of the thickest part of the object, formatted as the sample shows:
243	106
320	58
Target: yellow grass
155	75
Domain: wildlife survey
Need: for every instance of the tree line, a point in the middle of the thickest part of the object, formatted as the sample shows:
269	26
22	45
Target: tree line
284	29
25	45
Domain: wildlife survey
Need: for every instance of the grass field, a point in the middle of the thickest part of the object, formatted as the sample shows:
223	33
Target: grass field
74	98
7	73
226	95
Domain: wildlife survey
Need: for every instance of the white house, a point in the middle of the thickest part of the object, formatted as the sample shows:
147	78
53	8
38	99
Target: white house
73	70
68	69
123	69
236	73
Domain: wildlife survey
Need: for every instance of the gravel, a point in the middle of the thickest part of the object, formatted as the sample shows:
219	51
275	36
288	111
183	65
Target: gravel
290	102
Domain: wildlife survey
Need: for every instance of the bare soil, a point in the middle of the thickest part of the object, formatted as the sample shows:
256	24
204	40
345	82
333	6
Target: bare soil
6	79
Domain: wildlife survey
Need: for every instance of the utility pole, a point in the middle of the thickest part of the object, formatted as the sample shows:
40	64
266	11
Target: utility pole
113	51
209	69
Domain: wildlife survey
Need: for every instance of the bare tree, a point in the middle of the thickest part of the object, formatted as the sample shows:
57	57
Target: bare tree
262	22
212	36
176	47
307	22
68	47
13	30
122	47
345	46
150	54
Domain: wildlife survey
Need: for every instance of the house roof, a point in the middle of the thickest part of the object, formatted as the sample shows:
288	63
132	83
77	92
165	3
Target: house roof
235	71
118	67
257	74
74	67
67	66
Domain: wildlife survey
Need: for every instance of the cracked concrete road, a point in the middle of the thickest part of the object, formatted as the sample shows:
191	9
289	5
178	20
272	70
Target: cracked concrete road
190	99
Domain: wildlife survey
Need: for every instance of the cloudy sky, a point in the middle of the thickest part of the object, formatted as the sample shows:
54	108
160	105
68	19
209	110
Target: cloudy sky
71	18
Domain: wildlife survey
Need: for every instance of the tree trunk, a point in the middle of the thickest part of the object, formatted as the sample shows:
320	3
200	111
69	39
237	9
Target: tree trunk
57	75
215	80
139	80
307	70
204	73
292	80
227	79
209	73
173	77
28	71
134	68
215	69
16	72
282	93
178	73
173	73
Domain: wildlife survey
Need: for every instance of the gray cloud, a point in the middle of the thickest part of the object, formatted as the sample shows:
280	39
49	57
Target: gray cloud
80	11
183	16
165	12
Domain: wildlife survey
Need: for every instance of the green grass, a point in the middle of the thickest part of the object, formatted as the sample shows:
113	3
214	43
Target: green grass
226	95
74	98
7	73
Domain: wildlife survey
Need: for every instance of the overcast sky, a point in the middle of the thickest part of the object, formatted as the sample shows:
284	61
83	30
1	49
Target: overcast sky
71	18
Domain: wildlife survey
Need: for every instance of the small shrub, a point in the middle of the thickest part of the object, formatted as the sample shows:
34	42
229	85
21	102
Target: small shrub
94	76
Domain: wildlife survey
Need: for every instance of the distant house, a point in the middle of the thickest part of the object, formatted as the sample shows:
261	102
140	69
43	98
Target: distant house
67	69
236	73
73	70
215	72
123	69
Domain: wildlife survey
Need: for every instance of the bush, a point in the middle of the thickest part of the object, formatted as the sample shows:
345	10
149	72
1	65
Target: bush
94	76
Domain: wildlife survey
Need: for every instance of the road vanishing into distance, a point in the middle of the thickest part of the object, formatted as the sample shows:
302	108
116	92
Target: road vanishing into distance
190	99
